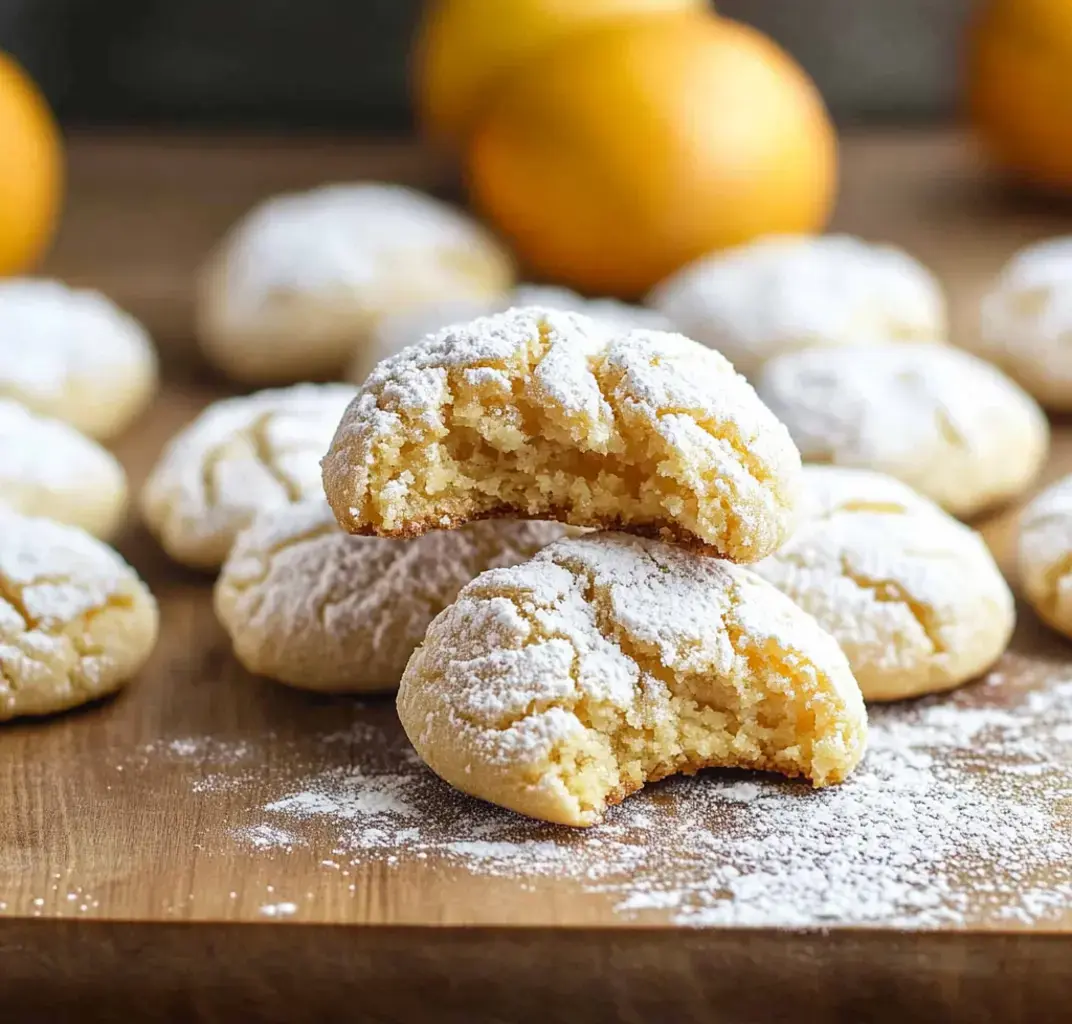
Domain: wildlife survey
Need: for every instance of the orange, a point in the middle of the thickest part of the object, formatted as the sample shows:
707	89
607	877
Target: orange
464	46
1020	87
31	170
628	152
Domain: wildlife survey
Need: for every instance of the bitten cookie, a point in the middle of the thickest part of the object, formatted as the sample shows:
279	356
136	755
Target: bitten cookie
302	278
240	457
1045	555
396	331
946	423
549	415
562	685
1026	321
48	468
76	623
784	293
74	356
309	605
913	597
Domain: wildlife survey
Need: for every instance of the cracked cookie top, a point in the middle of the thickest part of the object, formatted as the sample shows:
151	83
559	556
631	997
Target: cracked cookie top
562	685
239	457
537	413
76	623
301	278
784	293
73	355
951	426
1044	551
49	468
310	605
914	598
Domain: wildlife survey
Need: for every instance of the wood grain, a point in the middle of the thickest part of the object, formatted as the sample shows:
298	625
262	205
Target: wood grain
123	888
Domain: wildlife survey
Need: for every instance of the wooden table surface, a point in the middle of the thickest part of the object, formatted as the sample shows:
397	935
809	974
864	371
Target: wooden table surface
141	867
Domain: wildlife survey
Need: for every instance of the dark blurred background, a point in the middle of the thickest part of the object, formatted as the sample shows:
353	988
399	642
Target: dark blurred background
342	63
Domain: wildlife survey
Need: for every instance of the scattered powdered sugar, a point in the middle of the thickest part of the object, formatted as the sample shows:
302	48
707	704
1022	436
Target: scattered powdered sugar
955	818
279	909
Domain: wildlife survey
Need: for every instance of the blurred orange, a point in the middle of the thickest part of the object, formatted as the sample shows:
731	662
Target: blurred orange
464	46
1020	87
31	170
627	152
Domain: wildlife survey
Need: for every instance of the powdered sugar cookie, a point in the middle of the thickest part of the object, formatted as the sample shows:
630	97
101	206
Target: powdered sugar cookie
1045	554
550	415
297	284
49	469
783	293
913	597
1026	321
951	426
309	605
564	684
396	331
73	355
241	456
76	623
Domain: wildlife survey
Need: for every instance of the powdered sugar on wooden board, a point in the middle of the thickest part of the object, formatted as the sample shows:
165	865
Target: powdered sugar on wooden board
955	819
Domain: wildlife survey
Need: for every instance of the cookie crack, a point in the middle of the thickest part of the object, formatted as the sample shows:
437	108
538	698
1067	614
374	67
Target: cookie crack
12	594
948	429
888	591
1053	576
262	448
266	556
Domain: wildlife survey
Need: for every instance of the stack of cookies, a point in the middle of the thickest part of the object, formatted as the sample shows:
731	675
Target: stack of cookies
642	648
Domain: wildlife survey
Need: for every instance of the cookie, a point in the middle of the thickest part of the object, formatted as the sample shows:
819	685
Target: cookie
240	457
951	426
913	597
76	623
299	282
393	333
48	468
307	604
1026	321
1044	551
73	355
562	685
539	414
784	293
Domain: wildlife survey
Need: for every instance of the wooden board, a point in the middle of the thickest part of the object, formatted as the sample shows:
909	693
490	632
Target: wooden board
142	873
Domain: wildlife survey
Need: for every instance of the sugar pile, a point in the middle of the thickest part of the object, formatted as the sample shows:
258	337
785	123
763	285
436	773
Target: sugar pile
921	836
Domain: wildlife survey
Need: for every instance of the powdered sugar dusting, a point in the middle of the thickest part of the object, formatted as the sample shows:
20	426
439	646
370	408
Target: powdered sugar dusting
537	384
783	293
37	453
312	605
942	420
347	236
240	456
53	337
954	819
